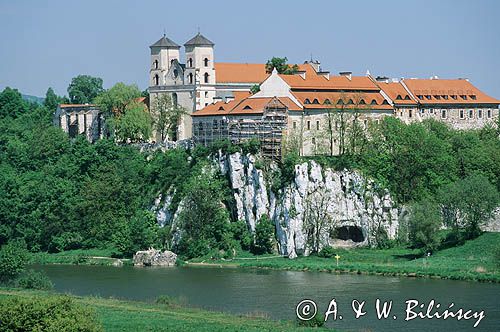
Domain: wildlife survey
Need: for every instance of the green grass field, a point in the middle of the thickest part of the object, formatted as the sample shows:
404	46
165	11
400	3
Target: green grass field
477	260
117	315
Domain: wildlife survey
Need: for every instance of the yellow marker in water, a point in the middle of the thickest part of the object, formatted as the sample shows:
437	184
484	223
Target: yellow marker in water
337	257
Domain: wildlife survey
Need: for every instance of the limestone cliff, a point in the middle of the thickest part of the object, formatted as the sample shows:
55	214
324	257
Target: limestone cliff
319	207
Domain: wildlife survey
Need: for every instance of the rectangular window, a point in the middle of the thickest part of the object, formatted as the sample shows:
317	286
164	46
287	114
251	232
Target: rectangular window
462	114
480	114
471	114
294	125
489	114
308	125
443	114
317	125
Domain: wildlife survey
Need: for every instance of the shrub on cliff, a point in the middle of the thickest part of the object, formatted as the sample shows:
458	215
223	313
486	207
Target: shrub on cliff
264	236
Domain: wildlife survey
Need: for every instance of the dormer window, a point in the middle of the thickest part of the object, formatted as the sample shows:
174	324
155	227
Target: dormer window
445	97
362	102
420	97
454	97
327	102
190	62
307	101
221	108
473	97
247	107
155	64
464	97
399	97
374	102
205	62
315	101
340	102
350	102
428	97
385	102
407	97
438	97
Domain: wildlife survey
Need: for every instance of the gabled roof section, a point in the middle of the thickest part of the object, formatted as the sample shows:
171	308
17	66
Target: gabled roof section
312	80
342	100
165	42
230	72
199	40
397	93
447	91
248	106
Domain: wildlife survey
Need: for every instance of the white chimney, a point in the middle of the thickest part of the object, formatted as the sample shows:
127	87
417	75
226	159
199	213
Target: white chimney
347	74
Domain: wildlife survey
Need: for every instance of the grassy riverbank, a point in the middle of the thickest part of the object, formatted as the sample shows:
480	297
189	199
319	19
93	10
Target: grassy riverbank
476	260
118	315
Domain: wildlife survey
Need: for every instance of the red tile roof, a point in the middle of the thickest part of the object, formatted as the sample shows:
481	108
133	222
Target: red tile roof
226	72
447	91
366	100
397	92
247	106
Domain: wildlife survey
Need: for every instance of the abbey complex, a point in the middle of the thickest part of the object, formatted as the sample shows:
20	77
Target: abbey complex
307	106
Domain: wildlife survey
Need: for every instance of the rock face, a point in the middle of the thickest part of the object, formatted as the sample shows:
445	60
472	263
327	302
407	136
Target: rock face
153	257
318	207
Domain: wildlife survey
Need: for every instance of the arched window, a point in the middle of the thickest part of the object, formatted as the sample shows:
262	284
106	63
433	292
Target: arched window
480	114
315	101
313	141
156	80
362	102
155	64
176	73
327	102
205	62
374	102
410	113
206	77
174	99
471	114
190	62
190	78
350	102
307	101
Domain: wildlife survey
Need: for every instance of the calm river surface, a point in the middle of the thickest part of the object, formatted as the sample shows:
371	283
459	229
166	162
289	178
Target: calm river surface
278	292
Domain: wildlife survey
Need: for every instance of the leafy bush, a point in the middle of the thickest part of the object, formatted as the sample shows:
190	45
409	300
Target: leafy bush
34	280
66	241
13	260
327	252
317	321
264	236
424	224
48	314
241	234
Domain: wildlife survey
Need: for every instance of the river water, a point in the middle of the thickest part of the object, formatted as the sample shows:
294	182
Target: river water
276	293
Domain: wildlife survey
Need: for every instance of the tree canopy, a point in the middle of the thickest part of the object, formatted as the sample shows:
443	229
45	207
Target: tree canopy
84	88
281	65
115	100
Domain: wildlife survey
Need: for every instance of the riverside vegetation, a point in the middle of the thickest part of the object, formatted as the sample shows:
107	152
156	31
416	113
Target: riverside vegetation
59	194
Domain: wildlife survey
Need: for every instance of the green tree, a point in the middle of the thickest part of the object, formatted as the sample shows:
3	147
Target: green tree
115	100
13	260
84	88
52	100
425	221
469	203
204	222
132	125
255	88
166	116
264	236
281	66
11	103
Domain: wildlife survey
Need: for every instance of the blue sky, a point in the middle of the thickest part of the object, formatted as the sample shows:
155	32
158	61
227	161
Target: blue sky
46	43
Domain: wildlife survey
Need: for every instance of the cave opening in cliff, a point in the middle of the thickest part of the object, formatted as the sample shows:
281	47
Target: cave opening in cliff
353	233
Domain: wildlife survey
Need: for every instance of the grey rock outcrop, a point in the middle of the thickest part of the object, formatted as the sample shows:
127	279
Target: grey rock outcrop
343	202
153	257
